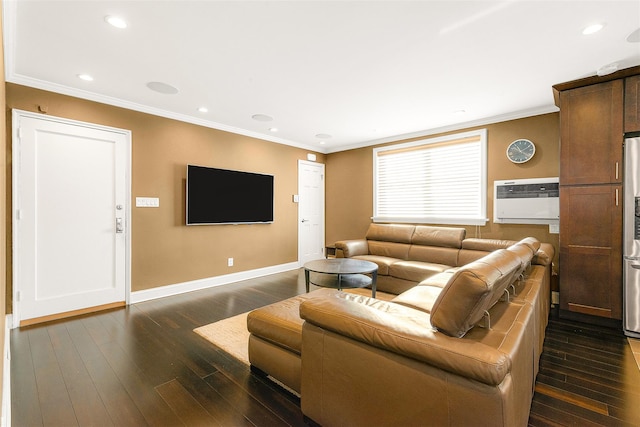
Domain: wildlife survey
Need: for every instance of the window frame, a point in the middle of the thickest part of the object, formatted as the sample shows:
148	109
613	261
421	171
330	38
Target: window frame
481	219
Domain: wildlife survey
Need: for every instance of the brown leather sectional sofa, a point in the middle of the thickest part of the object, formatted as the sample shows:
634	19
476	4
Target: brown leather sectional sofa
453	337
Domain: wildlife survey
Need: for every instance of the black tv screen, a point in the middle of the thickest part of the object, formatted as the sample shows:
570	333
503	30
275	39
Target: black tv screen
222	196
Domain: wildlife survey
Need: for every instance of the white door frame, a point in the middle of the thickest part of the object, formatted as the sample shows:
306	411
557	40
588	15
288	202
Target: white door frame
17	114
300	245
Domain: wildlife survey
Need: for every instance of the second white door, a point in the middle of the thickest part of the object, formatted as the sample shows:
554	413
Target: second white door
311	243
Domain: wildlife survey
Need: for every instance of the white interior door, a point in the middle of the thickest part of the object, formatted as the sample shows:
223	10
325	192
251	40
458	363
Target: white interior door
70	201
310	211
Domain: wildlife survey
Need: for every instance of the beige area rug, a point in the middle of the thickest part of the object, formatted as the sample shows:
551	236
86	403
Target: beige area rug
230	334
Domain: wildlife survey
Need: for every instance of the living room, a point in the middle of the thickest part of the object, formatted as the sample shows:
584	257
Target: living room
167	255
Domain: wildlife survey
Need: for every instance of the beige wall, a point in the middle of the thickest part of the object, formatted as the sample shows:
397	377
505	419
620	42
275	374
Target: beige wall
164	250
350	179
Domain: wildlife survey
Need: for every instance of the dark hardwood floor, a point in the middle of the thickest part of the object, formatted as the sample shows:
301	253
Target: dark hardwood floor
143	365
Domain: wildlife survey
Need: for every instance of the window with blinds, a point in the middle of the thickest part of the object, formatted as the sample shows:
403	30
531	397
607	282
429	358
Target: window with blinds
434	181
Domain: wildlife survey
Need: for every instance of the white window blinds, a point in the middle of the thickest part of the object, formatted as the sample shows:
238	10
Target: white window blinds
435	181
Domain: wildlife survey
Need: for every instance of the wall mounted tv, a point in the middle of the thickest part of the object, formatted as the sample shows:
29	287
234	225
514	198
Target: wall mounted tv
222	196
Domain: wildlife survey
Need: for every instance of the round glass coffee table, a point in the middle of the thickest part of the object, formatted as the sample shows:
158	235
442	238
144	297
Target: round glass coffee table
350	273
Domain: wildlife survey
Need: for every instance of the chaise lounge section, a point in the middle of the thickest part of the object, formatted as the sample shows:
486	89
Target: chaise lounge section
458	347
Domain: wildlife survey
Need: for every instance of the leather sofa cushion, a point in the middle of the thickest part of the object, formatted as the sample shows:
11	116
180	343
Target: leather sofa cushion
545	254
471	290
466	256
531	242
389	249
351	248
403	330
439	280
416	271
399	233
280	322
509	265
419	297
524	253
382	261
486	245
434	254
446	237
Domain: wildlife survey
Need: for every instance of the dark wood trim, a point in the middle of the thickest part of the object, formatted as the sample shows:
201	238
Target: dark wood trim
72	313
587	309
590	319
592	80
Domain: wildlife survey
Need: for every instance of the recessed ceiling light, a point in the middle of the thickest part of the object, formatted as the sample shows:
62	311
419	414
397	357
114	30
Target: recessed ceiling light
591	29
116	21
85	77
262	117
323	136
459	111
162	88
203	109
273	129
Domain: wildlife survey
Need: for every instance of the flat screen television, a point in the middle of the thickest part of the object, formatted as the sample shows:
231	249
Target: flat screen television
222	196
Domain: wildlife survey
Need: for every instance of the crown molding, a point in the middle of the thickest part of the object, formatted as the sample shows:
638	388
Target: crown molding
531	112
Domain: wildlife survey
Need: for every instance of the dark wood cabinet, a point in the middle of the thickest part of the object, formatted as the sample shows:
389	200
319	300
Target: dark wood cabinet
591	250
591	124
632	104
594	114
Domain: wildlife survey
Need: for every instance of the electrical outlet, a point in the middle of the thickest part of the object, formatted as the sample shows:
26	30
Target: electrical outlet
230	262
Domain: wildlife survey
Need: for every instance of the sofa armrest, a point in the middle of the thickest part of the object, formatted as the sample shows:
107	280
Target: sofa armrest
352	248
405	331
544	255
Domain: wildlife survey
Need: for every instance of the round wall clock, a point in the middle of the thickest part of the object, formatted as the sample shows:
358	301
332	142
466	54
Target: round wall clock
521	151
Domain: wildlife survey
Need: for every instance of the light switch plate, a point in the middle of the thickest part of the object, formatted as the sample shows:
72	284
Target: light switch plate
147	202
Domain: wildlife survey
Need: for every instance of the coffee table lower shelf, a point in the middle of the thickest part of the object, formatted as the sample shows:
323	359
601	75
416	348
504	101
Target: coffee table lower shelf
341	273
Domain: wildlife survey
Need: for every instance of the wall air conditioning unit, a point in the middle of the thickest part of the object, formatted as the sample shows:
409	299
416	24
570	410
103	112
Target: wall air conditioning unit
527	201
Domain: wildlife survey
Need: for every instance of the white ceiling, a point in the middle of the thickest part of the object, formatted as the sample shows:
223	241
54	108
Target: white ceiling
361	71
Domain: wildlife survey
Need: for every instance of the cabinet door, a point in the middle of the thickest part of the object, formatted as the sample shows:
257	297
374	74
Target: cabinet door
591	134
591	250
632	104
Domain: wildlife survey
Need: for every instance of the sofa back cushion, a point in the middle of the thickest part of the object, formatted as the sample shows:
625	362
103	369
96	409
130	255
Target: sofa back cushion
486	245
466	256
434	254
509	265
530	242
398	233
525	251
472	290
445	237
475	248
389	249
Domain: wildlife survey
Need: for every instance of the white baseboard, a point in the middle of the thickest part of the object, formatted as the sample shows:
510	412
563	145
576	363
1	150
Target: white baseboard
5	419
195	285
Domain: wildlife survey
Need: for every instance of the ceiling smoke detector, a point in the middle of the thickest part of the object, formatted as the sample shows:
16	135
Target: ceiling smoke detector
607	69
262	117
634	37
160	87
